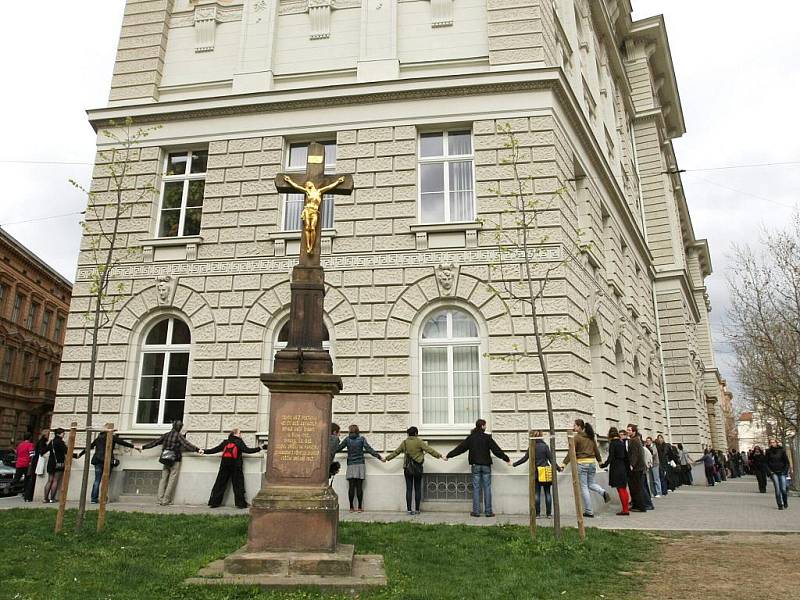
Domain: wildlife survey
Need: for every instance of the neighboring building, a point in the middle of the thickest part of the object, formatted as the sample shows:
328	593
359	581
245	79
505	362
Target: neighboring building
407	96
34	303
753	430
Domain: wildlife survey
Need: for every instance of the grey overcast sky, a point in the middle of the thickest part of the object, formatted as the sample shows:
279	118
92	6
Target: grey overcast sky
738	71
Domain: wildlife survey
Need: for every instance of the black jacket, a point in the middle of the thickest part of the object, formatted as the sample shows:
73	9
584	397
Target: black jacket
99	445
617	463
479	444
636	454
777	460
58	454
544	458
243	449
759	462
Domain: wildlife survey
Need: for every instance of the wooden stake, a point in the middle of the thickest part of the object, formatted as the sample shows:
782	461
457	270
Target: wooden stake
576	488
101	513
62	496
532	485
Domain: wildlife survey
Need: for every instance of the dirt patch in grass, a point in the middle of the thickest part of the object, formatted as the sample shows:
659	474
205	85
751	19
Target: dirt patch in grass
736	566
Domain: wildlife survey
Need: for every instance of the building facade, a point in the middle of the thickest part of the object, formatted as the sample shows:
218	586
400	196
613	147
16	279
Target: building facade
425	308
34	303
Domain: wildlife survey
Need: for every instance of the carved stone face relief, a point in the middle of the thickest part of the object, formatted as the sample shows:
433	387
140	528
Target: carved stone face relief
165	289
446	276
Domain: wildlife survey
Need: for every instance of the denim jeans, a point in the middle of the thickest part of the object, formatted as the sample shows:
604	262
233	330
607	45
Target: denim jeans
482	478
655	481
548	497
586	473
98	478
781	488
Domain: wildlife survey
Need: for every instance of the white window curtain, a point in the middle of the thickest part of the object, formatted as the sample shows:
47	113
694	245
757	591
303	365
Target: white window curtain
446	177
450	369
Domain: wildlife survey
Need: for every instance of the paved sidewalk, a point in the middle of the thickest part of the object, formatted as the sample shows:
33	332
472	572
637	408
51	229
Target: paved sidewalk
734	505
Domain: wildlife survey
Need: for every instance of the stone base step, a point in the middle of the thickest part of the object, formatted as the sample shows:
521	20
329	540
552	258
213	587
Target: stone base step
367	573
245	562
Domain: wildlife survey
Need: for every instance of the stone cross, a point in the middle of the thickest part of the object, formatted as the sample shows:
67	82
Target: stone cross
313	184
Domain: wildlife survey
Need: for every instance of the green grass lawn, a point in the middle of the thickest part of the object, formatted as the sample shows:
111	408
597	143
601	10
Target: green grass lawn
147	556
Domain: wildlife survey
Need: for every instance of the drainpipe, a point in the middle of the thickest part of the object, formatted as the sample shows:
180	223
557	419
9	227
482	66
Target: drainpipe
664	392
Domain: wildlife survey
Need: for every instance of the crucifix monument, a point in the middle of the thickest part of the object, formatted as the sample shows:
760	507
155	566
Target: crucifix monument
292	538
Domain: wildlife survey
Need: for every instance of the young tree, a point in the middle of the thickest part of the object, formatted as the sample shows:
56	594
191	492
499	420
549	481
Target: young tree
764	328
522	279
106	207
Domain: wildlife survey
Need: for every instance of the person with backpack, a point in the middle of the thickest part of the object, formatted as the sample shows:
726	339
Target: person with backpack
542	473
172	445
99	458
414	449
480	444
230	469
356	445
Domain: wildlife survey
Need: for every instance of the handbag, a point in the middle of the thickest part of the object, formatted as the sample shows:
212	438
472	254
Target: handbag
41	465
544	474
412	468
114	462
168	457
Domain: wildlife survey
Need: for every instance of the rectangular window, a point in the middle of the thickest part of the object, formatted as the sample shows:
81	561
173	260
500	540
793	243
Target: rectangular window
293	203
33	312
3	293
182	187
446	180
44	328
8	365
58	330
15	313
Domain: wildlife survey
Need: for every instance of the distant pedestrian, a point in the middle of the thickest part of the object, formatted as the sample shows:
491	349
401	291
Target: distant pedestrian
25	453
172	443
654	469
708	464
414	448
778	468
636	460
758	466
648	461
587	455
230	469
356	445
618	469
686	465
542	473
99	458
480	444
38	465
55	465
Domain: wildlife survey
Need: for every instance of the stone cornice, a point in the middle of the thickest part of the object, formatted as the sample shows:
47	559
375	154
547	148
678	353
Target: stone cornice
320	96
682	277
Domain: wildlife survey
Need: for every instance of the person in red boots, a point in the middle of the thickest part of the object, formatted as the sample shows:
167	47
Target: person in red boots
618	467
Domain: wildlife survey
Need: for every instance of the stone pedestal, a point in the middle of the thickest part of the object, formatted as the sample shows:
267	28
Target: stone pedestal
293	535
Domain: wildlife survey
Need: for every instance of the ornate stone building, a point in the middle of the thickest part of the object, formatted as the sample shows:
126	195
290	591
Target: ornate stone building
407	96
34	302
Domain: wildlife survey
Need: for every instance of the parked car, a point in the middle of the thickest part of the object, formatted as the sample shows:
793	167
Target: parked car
7	485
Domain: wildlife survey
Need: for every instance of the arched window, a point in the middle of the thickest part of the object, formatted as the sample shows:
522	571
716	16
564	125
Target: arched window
450	368
283	339
164	369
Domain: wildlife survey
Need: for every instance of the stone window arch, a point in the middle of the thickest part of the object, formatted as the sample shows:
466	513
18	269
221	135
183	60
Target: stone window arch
282	338
163	376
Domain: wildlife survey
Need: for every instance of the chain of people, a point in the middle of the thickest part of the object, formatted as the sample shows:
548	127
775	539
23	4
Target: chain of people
638	469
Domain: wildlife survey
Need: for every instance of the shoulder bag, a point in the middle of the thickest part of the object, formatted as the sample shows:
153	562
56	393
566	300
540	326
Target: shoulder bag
168	457
412	468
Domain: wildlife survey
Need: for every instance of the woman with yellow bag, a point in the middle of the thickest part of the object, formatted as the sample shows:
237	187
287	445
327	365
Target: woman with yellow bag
543	474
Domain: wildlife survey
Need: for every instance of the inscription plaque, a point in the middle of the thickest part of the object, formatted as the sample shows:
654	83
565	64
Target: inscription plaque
298	448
